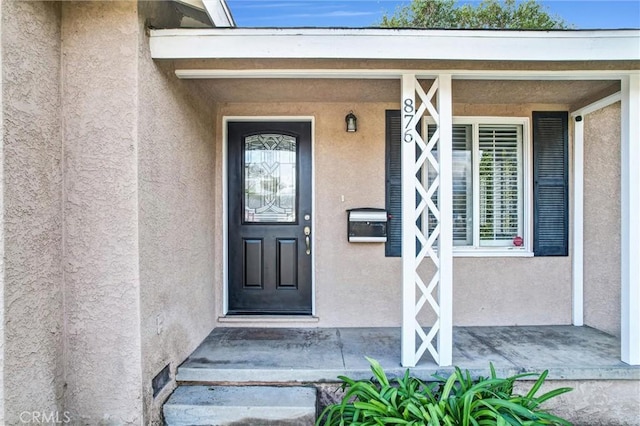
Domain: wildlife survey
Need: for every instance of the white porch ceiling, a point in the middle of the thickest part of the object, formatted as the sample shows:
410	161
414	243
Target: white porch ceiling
574	93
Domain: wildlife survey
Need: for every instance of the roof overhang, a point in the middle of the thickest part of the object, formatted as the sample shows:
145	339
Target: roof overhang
396	44
362	64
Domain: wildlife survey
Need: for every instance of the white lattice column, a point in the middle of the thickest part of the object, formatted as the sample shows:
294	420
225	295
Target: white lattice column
630	251
426	196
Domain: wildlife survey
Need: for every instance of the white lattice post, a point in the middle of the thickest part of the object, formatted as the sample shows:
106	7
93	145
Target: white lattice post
630	250
421	240
445	201
408	233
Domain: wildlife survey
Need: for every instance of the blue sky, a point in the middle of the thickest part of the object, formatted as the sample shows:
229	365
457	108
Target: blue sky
583	14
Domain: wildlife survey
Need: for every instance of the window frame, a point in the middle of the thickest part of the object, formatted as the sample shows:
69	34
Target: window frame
526	184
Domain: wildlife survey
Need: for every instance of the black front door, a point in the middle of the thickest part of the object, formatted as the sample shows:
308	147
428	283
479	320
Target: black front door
269	217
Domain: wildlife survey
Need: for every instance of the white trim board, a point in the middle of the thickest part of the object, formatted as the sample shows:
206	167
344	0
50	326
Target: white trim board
464	45
577	258
391	74
599	104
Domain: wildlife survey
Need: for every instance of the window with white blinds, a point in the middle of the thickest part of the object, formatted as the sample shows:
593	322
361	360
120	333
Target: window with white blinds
500	183
489	167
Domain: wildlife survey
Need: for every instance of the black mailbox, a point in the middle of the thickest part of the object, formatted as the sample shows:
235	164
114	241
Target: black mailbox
367	225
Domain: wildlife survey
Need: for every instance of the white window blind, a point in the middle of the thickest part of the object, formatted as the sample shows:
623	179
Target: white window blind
499	177
462	185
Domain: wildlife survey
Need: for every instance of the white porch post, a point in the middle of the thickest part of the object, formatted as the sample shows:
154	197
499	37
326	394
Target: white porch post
578	222
445	199
579	117
408	230
630	198
421	239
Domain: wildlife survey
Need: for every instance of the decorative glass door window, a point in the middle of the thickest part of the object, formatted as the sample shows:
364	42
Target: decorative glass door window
270	178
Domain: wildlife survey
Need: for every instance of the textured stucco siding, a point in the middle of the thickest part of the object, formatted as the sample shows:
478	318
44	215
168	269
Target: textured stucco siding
32	209
602	219
107	213
176	217
593	402
355	284
102	288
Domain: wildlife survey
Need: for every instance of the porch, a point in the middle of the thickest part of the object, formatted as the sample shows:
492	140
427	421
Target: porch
361	285
286	375
426	271
286	355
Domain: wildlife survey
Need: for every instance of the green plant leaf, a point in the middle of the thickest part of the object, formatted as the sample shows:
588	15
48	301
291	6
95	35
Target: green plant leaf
538	383
448	386
378	371
393	421
434	417
552	394
369	407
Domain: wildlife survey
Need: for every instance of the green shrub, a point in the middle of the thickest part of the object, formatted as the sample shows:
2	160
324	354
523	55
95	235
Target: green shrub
457	400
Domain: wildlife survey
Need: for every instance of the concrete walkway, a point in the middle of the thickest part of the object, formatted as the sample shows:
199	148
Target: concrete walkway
277	355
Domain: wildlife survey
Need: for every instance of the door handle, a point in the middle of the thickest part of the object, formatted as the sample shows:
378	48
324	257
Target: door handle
307	239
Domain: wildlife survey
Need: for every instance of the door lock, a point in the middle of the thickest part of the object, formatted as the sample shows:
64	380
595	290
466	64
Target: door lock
307	239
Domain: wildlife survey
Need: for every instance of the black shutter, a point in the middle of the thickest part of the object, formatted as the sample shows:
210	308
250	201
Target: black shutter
551	188
393	188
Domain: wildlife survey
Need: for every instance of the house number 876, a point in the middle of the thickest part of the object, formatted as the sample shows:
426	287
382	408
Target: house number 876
409	111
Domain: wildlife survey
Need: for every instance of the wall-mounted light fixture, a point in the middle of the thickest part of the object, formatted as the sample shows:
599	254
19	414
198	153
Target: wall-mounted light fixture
351	121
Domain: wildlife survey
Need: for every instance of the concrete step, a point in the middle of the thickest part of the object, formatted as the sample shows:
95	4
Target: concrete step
241	405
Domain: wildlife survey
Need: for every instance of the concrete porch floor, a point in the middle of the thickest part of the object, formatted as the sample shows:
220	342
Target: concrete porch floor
279	355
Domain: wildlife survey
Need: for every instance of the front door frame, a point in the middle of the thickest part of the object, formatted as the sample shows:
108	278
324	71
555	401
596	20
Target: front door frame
225	200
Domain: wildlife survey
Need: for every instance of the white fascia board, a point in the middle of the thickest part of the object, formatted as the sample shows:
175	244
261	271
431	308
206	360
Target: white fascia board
219	13
466	45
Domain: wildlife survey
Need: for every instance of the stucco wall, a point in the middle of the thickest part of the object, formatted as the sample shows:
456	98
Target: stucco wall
176	216
108	161
355	284
602	219
593	402
32	210
102	286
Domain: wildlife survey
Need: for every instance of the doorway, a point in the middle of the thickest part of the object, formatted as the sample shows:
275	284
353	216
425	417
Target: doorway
269	217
